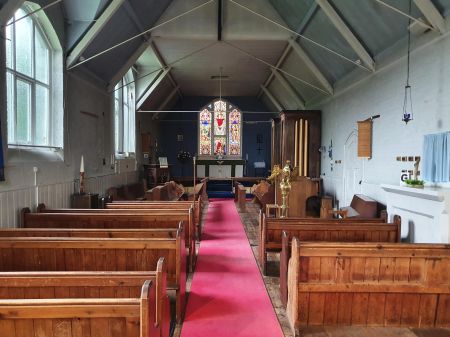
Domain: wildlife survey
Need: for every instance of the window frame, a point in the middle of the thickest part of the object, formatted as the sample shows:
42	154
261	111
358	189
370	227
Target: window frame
124	141
33	82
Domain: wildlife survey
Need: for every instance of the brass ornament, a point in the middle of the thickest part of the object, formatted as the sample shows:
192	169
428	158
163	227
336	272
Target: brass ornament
285	187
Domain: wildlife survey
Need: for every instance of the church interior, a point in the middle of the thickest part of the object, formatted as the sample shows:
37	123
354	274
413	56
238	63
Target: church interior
225	168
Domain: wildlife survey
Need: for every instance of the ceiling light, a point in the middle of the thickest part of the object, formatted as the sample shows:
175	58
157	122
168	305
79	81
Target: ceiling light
407	101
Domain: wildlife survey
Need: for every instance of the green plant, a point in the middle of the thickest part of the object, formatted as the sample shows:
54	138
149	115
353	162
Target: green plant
414	182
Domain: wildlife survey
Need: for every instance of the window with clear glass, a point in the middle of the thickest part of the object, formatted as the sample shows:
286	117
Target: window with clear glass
29	81
124	115
220	130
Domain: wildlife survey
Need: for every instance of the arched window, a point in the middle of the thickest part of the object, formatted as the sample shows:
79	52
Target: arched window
33	72
220	130
124	115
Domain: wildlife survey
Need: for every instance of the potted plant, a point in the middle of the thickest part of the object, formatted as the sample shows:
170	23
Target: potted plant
414	183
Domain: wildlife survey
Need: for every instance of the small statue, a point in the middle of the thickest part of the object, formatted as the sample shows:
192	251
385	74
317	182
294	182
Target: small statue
285	187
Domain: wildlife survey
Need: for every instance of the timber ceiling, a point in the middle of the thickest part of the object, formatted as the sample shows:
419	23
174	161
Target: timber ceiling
289	53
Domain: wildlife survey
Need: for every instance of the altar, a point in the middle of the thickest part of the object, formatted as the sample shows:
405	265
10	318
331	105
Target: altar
220	168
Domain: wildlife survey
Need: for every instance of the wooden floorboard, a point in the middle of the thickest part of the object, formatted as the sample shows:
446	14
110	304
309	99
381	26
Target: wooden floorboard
250	220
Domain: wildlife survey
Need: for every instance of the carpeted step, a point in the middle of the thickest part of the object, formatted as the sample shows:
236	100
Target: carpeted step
219	185
220	194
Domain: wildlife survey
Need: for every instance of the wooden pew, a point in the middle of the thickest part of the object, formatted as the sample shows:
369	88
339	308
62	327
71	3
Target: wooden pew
134	191
54	285
368	284
98	254
91	233
106	317
164	205
344	232
383	217
170	191
240	195
316	229
157	205
105	218
199	191
138	204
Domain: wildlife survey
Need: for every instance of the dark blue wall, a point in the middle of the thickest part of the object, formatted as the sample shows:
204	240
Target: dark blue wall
185	123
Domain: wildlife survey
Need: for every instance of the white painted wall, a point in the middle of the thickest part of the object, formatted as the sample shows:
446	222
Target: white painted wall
382	93
84	134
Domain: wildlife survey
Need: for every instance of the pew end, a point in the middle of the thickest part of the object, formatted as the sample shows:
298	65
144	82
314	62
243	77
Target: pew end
131	317
368	284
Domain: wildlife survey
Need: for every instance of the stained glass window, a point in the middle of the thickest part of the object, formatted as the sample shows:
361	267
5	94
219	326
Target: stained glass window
220	131
235	133
205	132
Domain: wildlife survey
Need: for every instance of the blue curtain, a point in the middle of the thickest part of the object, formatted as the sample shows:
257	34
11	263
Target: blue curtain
436	158
2	163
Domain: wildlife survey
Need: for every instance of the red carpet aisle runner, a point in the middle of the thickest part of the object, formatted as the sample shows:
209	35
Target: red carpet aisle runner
228	297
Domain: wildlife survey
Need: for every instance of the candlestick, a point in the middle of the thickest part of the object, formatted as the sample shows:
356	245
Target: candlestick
82	164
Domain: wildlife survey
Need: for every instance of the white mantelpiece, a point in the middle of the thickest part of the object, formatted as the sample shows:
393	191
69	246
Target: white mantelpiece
424	212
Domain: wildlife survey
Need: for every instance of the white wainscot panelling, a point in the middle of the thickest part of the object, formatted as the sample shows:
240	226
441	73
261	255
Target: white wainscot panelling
54	195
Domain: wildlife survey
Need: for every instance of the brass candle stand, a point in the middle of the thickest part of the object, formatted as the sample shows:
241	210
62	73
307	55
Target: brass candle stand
285	187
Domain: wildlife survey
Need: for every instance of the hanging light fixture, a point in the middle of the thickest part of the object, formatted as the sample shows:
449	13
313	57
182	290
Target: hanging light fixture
407	102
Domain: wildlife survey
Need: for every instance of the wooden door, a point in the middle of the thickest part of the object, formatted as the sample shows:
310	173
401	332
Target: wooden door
352	169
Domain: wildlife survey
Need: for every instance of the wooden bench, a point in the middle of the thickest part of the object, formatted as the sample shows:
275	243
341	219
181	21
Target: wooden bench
199	191
337	232
240	195
316	229
98	254
53	285
72	317
264	193
164	205
361	206
266	215
105	218
170	191
135	191
151	206
368	284
91	233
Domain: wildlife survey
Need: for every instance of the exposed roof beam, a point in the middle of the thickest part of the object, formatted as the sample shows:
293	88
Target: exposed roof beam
278	65
164	64
307	19
412	18
149	85
132	14
163	105
301	28
124	69
93	32
348	35
432	14
8	10
272	98
311	66
152	87
299	102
